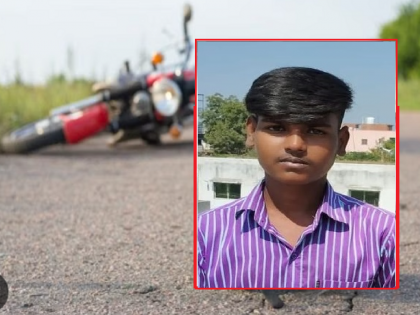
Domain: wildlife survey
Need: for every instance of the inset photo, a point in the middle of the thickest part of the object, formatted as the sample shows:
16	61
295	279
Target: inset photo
296	176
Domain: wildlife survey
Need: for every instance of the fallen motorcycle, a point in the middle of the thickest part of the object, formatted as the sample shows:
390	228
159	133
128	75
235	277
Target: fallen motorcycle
143	107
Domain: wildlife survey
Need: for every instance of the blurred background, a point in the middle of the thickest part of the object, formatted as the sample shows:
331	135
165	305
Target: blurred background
84	225
52	51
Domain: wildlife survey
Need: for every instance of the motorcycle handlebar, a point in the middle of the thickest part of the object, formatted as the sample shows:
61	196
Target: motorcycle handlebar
119	92
186	49
186	41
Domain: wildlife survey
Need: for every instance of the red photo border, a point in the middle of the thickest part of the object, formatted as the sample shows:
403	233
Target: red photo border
397	166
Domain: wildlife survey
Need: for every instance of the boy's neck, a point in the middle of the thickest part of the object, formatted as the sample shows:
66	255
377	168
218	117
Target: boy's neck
294	201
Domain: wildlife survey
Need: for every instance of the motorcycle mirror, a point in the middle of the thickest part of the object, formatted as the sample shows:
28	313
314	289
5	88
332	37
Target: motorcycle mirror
187	12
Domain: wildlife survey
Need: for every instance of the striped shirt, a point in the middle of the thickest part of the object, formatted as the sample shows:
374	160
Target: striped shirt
350	244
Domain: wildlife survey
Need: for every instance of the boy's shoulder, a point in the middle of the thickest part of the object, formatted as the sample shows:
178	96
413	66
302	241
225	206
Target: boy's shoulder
229	208
249	201
359	208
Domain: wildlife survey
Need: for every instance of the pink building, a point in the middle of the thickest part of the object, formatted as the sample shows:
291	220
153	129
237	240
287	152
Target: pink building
366	136
364	140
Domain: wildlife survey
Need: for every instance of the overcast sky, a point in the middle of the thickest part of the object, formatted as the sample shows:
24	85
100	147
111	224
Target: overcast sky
35	34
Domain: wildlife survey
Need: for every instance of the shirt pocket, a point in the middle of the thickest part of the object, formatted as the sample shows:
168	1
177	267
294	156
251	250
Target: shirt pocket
329	284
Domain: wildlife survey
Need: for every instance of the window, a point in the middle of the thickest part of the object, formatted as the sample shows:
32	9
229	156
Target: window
371	197
227	190
364	141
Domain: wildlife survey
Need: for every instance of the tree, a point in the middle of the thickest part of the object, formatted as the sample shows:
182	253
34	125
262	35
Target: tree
406	28
385	150
224	120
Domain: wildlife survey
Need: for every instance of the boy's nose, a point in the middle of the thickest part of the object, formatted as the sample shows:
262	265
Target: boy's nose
295	143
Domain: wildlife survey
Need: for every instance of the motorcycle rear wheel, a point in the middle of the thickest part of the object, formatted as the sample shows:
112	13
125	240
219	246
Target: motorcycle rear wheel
34	136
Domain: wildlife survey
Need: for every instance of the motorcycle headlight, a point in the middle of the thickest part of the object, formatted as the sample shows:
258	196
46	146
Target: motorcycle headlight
166	96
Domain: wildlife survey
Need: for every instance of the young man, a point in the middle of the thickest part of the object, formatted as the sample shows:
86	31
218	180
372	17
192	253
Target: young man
293	229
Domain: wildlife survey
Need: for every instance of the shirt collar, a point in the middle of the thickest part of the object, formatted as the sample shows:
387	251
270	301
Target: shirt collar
332	205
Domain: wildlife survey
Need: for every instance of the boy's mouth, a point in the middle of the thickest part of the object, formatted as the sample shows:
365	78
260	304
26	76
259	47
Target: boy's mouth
293	160
294	164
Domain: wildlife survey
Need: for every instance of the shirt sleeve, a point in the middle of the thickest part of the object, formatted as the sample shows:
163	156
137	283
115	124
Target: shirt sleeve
386	277
201	274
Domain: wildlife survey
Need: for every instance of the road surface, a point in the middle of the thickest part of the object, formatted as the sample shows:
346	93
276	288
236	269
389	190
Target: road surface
93	230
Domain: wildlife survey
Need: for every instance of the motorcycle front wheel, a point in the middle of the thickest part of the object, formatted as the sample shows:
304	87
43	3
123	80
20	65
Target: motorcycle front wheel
34	136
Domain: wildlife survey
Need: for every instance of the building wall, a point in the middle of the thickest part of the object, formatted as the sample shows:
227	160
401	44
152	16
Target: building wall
382	127
372	136
342	176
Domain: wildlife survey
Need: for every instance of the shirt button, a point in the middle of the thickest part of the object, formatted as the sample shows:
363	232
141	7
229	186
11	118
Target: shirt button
294	256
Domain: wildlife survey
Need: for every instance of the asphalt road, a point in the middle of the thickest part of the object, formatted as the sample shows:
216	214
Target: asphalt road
94	230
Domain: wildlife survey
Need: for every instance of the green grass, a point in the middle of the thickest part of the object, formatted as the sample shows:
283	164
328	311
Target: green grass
21	104
409	94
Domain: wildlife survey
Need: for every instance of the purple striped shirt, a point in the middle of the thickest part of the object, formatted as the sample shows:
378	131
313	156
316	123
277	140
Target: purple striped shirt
350	244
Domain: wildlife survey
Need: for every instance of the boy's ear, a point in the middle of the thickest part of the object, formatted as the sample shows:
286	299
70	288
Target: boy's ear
251	125
343	139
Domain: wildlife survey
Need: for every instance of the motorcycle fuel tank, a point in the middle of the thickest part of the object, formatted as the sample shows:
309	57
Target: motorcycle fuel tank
83	124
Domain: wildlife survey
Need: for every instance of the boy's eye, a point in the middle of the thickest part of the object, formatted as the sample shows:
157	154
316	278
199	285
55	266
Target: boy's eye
275	128
316	132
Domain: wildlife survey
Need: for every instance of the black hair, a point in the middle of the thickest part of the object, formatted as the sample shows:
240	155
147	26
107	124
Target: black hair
298	95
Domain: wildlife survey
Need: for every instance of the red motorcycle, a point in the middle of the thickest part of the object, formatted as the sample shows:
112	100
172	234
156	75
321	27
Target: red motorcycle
143	107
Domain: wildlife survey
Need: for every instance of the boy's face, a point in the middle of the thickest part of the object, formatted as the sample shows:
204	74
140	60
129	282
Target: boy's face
297	153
